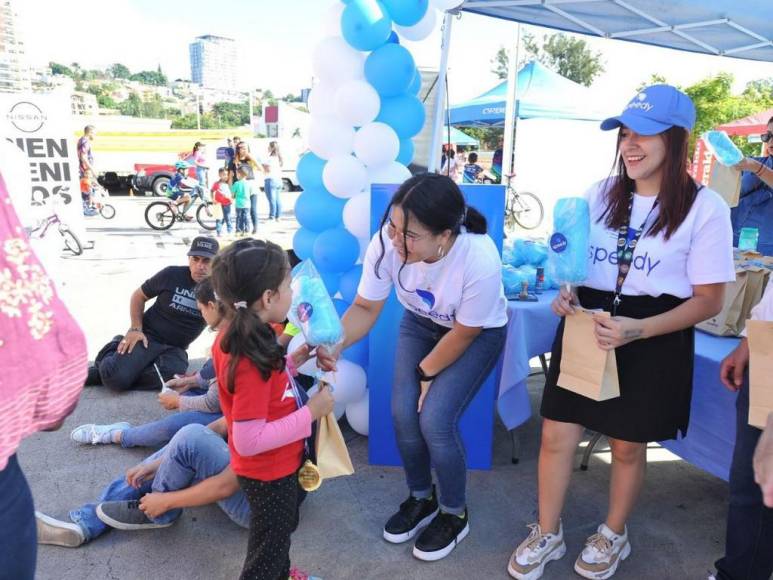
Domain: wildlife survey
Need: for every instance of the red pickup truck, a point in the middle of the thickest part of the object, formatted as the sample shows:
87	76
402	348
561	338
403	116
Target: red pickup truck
154	177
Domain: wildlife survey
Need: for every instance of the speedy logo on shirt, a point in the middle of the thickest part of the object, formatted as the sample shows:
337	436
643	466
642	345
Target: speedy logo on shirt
644	262
429	299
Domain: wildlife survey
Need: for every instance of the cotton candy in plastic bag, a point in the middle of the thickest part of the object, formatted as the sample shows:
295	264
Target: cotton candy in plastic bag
720	145
312	309
512	278
568	248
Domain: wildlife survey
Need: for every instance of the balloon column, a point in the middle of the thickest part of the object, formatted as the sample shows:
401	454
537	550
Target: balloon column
364	110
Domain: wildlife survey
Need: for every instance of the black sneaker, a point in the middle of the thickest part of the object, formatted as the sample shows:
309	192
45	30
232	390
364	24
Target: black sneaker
93	377
413	515
441	536
126	515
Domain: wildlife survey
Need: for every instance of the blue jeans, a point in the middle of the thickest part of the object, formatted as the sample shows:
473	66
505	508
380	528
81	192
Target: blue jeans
18	535
242	219
749	536
273	189
194	454
254	212
226	220
431	438
161	432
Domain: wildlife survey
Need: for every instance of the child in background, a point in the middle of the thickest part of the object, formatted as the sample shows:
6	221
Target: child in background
241	195
471	169
266	424
86	193
221	194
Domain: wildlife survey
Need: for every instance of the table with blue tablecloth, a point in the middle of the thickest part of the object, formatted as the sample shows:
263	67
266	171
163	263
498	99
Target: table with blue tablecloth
711	433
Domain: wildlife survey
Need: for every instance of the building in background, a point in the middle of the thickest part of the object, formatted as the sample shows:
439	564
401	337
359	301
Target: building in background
213	62
14	69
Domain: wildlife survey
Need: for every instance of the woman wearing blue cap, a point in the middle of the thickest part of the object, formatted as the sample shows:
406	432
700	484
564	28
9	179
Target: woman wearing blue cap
660	255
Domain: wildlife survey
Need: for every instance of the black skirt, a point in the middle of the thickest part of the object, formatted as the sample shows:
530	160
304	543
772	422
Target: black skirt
655	378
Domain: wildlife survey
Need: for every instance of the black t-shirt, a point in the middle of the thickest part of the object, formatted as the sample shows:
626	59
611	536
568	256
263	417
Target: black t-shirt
248	168
174	318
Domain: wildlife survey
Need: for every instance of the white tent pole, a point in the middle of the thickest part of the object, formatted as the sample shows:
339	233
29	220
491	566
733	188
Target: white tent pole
508	145
440	101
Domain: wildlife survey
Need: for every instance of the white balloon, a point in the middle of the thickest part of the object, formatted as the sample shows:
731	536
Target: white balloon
310	366
357	215
329	137
445	4
422	29
331	23
393	172
334	61
344	176
357	103
376	144
322	100
357	414
349	382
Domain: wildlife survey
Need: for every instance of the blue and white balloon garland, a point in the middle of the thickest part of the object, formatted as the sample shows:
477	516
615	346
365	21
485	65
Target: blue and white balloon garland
365	110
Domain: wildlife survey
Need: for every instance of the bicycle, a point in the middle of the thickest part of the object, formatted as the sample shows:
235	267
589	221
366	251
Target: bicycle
98	197
161	215
71	241
521	207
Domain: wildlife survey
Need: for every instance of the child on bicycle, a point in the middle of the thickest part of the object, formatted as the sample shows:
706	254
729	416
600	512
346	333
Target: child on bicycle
181	186
221	193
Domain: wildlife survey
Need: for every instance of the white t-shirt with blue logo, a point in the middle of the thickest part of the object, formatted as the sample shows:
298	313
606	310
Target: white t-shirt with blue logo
464	286
699	252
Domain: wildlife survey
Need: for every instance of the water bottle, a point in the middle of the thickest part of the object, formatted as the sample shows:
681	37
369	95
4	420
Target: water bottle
747	240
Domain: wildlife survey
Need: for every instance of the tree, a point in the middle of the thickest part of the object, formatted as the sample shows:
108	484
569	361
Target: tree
150	77
500	63
231	114
60	69
131	106
655	79
119	71
153	108
568	56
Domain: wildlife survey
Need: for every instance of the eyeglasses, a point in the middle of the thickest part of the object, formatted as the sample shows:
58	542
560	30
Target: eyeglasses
410	237
765	137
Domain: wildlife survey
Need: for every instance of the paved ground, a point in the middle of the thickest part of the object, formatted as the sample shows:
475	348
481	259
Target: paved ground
677	531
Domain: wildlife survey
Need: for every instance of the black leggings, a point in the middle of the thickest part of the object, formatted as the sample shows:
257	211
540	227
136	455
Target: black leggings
274	517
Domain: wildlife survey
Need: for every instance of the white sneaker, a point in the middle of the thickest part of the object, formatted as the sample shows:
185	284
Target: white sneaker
529	559
603	553
93	434
58	533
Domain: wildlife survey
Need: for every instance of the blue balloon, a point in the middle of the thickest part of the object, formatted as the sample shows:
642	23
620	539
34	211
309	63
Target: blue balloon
309	171
415	87
393	38
358	353
341	305
350	280
405	156
390	70
303	243
365	24
406	12
335	251
404	113
331	281
318	210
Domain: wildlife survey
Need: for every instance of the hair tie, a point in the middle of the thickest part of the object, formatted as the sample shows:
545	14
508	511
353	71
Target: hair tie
240	304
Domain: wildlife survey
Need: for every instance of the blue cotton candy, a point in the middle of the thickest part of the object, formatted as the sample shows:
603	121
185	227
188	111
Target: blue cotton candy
512	278
568	247
312	310
726	152
517	252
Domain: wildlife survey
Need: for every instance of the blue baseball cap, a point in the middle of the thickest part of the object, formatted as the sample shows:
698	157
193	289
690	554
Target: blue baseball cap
655	109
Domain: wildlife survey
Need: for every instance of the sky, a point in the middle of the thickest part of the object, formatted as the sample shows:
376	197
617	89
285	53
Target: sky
276	39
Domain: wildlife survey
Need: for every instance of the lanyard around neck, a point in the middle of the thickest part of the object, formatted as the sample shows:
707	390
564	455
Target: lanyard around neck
626	246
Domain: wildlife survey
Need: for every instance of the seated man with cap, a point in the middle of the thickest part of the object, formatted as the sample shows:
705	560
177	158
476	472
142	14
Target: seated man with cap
158	337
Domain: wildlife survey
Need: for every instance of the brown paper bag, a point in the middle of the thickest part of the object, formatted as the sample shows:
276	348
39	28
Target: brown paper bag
760	334
740	297
726	181
585	368
332	455
217	211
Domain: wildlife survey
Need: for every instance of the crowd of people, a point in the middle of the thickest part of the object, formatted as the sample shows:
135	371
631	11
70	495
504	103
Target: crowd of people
239	436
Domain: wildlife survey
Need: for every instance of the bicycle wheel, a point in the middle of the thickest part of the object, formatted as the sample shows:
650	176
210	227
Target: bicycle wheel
107	211
527	210
71	241
205	215
160	215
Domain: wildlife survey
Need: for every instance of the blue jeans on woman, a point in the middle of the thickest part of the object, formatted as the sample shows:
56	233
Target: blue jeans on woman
273	189
749	537
160	432
18	534
431	438
194	454
254	211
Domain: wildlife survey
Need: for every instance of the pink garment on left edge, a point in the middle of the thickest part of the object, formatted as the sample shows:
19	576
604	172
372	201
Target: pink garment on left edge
43	356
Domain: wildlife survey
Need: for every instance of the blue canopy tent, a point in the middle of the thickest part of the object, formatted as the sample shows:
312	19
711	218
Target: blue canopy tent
456	137
542	93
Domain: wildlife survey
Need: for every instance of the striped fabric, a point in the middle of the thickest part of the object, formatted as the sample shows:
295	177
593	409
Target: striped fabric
43	357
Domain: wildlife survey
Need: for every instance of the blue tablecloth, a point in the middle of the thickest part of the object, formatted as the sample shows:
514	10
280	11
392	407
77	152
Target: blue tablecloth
711	434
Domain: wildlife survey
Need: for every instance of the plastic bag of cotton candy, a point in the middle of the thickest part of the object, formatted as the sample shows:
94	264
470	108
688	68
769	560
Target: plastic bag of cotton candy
567	263
312	309
721	146
519	252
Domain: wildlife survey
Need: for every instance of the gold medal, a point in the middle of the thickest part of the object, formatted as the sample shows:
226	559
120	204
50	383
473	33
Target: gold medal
309	477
